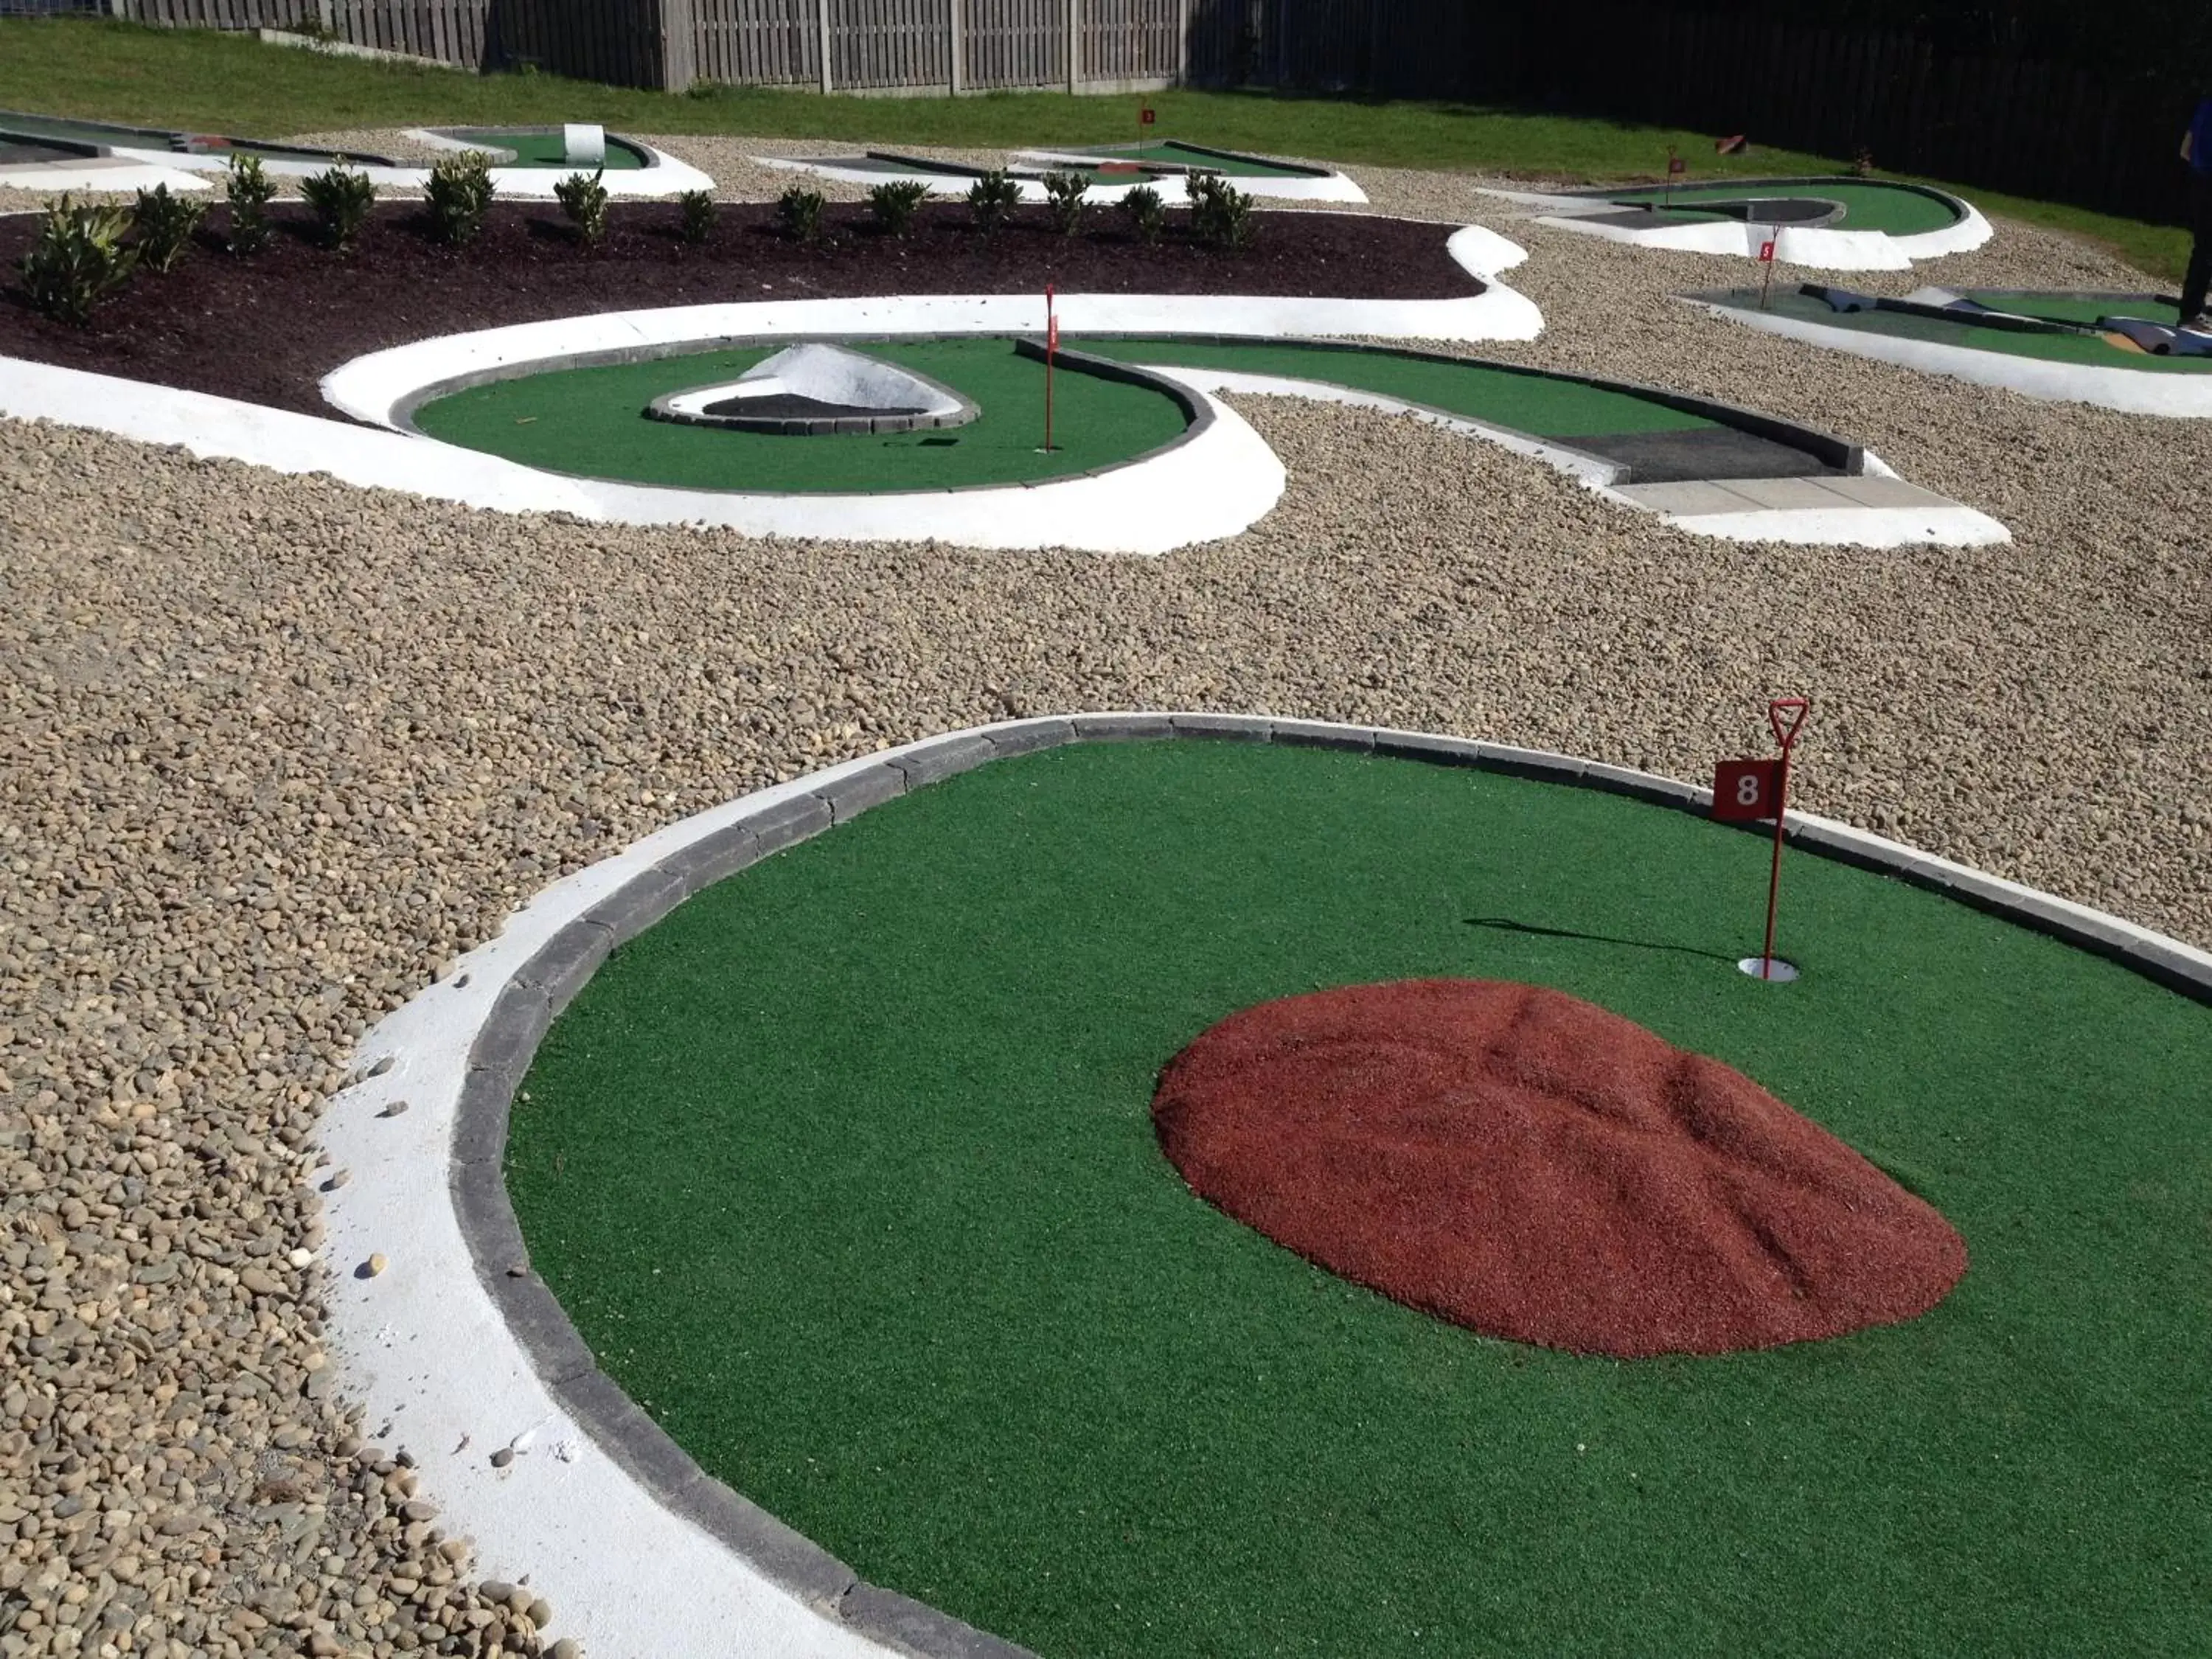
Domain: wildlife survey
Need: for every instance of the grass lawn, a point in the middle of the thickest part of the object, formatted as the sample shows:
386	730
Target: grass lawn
588	421
846	1171
209	80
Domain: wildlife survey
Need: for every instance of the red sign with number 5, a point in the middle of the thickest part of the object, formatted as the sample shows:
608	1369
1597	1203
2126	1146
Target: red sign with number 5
1746	789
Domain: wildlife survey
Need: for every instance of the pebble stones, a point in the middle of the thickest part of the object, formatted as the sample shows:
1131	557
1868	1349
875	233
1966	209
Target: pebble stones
273	752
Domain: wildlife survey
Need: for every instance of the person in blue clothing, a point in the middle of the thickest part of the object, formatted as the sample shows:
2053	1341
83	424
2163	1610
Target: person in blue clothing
2196	150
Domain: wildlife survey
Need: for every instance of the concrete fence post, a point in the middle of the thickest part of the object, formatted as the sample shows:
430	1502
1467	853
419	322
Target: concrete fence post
955	43
822	12
1074	43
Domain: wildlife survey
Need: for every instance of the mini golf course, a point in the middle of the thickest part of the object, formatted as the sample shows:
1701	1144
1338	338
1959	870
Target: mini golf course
852	1173
595	422
1841	224
2121	350
1110	168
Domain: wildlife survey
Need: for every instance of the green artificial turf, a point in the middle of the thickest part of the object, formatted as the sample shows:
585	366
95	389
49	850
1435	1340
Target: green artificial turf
1542	405
1872	205
1227	163
2068	308
2054	347
845	1171
209	80
545	149
588	421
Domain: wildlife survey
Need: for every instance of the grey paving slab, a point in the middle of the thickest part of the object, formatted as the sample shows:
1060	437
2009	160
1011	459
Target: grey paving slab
1683	500
1114	728
911	1627
480	1123
1869	490
711	858
566	960
854	794
1318	734
513	1030
1424	746
1236	728
945	758
629	911
1030	736
792	1559
1788	495
788	823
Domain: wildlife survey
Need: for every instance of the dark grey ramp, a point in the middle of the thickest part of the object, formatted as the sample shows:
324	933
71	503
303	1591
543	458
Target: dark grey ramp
793	406
1705	452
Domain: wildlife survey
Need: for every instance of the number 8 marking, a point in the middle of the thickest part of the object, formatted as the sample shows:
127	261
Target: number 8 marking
1746	790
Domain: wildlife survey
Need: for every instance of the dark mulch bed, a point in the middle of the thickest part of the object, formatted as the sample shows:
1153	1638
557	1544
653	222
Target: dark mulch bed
267	328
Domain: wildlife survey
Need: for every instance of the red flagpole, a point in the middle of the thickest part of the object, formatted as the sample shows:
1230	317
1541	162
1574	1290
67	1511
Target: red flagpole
1786	736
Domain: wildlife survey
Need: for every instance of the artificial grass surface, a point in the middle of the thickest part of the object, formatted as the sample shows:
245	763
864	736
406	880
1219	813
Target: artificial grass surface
845	1170
1227	163
2067	308
1545	406
1895	209
2013	341
588	421
546	149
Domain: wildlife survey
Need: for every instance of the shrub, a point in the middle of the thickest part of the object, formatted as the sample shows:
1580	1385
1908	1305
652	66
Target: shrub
78	260
1220	214
698	206
249	191
1064	194
1146	214
893	204
991	198
340	199
161	225
584	199
798	210
460	195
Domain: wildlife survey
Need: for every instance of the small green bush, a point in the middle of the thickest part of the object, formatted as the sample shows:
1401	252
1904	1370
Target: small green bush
894	203
79	259
458	195
161	226
249	191
798	210
698	206
1146	214
340	198
1220	214
991	198
1064	195
584	199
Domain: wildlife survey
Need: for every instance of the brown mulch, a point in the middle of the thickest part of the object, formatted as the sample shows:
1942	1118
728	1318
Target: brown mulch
267	328
1527	1164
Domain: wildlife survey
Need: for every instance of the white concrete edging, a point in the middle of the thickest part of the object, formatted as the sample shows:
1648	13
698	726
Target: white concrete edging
425	1345
666	176
1814	246
1330	185
2179	395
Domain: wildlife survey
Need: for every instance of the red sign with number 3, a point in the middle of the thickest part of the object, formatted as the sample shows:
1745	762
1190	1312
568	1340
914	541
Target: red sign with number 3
1746	789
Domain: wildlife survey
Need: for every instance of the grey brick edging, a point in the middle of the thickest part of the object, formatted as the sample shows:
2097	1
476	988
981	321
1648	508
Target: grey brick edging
504	1045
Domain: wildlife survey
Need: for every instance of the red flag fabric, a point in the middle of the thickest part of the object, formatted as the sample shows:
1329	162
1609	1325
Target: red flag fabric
1744	790
1145	118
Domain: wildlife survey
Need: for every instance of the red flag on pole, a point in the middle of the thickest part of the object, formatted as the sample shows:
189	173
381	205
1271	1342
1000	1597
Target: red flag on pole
1146	118
1744	791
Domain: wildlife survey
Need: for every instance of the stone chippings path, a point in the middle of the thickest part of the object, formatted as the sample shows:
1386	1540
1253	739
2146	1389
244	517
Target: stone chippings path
273	751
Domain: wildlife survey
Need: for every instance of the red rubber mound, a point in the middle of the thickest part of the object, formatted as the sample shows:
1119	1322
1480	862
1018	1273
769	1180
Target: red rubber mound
1522	1162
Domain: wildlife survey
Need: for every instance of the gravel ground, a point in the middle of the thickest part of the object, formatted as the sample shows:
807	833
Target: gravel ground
278	749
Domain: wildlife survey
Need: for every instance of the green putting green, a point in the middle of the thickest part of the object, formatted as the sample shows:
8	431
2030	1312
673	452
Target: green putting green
2056	346
588	421
535	149
1898	209
1526	400
845	1171
2074	308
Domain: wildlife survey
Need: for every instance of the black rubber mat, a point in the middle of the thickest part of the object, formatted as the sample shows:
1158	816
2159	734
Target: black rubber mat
1708	453
790	406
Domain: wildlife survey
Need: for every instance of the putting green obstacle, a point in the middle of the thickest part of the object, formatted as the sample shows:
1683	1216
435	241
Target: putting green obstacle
1895	210
845	1171
545	147
592	422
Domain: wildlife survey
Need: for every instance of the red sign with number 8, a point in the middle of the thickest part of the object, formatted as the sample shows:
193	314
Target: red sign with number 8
1746	789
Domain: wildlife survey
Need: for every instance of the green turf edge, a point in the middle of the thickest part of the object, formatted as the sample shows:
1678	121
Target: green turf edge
1913	1490
2011	342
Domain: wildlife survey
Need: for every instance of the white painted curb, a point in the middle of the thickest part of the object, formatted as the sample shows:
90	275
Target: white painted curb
2179	395
951	187
425	1346
666	176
